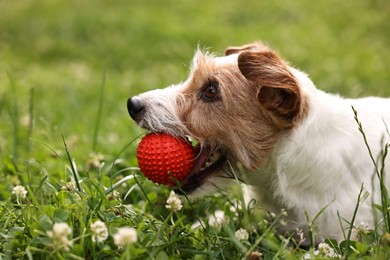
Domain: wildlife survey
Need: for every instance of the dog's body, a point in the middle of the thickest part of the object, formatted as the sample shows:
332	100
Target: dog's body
300	147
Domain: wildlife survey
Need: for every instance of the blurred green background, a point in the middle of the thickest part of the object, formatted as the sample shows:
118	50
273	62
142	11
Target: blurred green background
64	49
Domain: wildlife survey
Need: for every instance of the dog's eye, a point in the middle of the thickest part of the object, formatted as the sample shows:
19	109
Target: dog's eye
210	92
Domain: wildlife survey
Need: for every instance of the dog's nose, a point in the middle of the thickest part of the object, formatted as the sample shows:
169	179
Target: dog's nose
135	108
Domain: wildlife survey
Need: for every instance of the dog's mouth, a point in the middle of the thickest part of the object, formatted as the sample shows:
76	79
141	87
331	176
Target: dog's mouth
208	161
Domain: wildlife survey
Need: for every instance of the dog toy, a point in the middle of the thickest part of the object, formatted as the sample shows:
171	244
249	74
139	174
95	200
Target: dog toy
161	155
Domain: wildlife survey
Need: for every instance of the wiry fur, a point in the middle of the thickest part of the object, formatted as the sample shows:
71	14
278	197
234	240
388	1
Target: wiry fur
162	113
300	146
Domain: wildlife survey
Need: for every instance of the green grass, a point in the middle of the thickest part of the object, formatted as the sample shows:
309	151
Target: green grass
66	71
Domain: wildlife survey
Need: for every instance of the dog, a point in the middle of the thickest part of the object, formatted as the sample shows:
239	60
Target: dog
300	148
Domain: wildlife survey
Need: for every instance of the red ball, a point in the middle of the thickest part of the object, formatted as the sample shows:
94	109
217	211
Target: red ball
161	154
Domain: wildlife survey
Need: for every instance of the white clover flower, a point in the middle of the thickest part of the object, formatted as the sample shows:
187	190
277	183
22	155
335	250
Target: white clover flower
363	227
114	195
197	224
218	219
69	186
113	138
307	256
241	234
174	202
25	121
59	234
255	255
324	250
99	231
19	191
95	160
125	236
235	210
359	230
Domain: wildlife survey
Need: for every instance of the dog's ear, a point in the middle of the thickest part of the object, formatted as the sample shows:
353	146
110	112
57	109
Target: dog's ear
256	46
279	93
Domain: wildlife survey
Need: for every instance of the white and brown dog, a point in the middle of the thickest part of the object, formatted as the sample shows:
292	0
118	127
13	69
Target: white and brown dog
300	147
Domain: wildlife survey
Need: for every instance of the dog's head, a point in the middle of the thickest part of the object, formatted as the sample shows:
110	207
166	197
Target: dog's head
237	107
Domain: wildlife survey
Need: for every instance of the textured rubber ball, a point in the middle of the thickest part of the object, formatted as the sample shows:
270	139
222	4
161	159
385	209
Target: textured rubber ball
159	155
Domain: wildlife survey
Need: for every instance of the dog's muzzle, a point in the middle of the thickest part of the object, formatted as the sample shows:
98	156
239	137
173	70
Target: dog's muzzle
136	108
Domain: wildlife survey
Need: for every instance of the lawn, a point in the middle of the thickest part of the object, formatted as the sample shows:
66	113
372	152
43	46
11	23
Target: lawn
66	71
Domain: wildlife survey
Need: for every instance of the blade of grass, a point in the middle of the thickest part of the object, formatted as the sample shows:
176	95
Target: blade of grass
341	225
359	201
384	192
14	114
2	102
99	113
360	127
380	173
110	171
119	183
258	241
183	193
147	198
312	222
387	129
30	120
74	172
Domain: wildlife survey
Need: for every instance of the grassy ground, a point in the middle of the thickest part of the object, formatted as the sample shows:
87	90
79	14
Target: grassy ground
66	71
